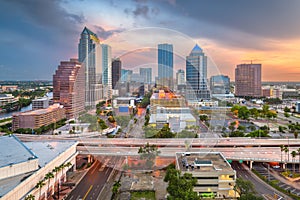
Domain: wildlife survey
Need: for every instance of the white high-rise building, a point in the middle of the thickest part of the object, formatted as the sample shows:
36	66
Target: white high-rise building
106	70
180	77
90	54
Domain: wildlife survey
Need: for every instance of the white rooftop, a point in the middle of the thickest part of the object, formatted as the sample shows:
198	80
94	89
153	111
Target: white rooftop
13	151
48	150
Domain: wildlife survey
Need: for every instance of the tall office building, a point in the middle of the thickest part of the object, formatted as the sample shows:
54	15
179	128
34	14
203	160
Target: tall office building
126	75
220	84
106	70
196	75
90	54
180	77
116	71
68	90
165	65
248	80
180	80
146	73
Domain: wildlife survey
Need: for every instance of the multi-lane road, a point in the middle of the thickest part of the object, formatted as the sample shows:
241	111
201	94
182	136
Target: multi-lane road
260	187
256	154
90	187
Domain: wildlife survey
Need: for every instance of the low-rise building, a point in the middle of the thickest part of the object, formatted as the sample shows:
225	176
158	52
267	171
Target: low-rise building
23	165
40	103
37	118
178	118
7	98
213	173
9	88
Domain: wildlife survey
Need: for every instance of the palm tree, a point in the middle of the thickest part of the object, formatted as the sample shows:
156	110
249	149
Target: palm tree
294	153
30	197
282	150
56	170
48	176
39	185
298	150
286	150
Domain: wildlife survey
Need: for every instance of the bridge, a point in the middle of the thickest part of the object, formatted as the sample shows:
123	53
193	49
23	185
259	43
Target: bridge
240	149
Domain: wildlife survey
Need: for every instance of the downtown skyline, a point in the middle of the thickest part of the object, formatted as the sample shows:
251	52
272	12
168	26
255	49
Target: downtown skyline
38	34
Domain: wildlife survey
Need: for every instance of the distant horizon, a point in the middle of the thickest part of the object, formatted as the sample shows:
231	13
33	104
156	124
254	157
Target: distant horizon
33	43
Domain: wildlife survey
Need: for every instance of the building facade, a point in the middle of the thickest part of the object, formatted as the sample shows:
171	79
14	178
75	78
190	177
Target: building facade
165	65
68	87
37	118
90	54
196	75
215	177
116	72
146	73
220	84
25	164
126	75
40	103
106	70
248	80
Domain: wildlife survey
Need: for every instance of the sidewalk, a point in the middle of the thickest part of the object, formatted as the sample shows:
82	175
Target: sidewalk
73	177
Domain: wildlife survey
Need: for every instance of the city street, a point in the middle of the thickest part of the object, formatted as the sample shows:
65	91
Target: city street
93	182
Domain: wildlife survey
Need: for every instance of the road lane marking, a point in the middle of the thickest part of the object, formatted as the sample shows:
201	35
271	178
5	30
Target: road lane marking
96	166
87	192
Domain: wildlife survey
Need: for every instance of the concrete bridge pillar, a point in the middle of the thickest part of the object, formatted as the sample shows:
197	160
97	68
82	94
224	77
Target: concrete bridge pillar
251	165
90	158
283	165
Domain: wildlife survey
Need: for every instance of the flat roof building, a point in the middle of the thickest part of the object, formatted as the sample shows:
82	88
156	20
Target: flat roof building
23	165
40	103
212	171
37	118
248	80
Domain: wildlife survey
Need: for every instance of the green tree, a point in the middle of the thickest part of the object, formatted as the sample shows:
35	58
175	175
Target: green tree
56	170
287	115
232	126
180	186
250	196
165	132
293	154
30	197
286	109
115	188
243	113
243	187
282	148
258	133
39	185
148	152
48	177
203	118
254	113
298	151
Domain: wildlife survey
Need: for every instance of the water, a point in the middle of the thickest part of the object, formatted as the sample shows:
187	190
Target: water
9	114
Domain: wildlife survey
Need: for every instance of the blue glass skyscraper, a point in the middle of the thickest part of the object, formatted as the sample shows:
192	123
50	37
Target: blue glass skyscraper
165	64
196	75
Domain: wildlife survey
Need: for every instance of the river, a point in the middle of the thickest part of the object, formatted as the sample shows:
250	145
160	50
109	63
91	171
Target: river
9	114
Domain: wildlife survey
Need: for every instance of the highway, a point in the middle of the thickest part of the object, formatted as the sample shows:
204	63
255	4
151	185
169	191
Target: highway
260	187
93	182
258	154
89	139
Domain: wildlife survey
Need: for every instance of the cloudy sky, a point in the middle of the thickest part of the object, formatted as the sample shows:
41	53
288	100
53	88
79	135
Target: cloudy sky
35	35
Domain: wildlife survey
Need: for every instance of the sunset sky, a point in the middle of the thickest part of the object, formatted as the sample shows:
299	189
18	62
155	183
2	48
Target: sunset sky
35	35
